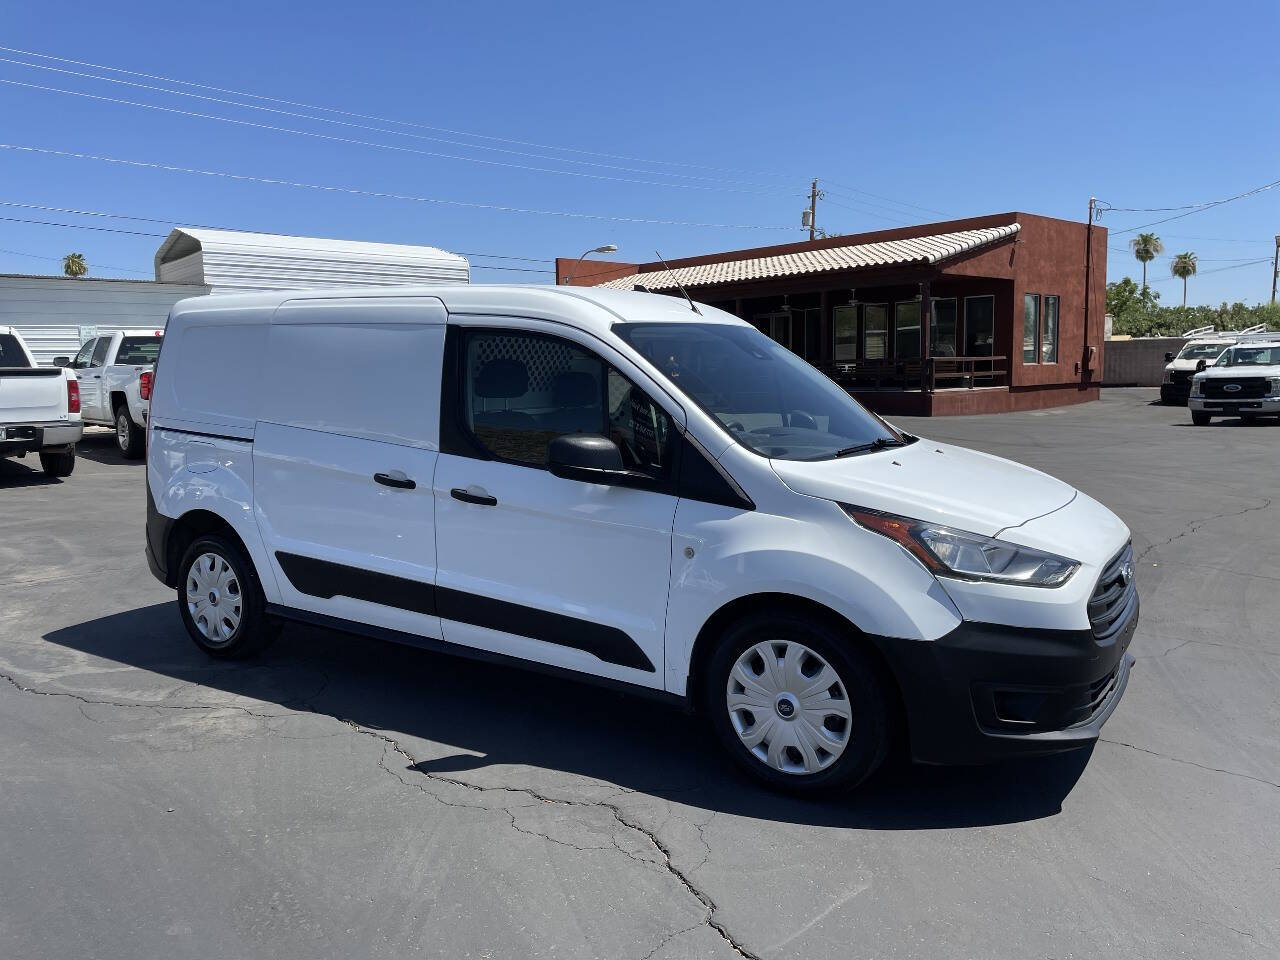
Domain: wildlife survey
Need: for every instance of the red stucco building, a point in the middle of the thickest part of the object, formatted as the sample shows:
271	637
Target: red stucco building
982	315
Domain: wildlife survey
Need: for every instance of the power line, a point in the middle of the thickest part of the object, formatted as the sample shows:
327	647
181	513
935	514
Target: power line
96	266
1187	209
877	196
407	123
355	141
865	213
1251	263
387	195
207	226
764	188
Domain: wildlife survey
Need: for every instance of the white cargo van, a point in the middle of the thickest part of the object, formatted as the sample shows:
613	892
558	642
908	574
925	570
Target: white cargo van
629	489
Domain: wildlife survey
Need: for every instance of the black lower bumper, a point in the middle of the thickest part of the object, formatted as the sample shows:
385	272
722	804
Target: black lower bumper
985	691
158	527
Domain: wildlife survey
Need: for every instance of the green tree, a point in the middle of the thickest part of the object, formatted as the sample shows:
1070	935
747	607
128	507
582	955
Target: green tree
73	265
1146	247
1183	266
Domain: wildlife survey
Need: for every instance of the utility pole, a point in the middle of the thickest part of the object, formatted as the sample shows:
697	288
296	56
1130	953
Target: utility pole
813	211
1088	276
1275	269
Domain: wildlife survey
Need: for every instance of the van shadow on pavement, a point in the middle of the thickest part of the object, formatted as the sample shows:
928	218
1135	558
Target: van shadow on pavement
512	716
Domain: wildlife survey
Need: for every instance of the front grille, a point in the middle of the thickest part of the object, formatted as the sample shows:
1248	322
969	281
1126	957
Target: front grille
1247	388
1181	376
1114	596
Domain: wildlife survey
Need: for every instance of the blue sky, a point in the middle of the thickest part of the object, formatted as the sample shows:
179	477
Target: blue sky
712	114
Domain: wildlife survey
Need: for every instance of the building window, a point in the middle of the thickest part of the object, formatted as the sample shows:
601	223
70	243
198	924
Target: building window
979	326
875	321
776	326
845	325
1030	327
906	330
942	328
1049	331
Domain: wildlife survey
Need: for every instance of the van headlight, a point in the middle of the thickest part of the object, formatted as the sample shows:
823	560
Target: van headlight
947	552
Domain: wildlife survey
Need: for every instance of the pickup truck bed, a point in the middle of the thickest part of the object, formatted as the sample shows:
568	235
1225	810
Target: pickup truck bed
39	408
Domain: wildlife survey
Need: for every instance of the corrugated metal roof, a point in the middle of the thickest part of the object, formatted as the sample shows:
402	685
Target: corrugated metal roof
930	249
231	261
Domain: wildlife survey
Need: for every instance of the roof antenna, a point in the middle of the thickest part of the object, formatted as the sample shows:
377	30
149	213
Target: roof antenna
692	306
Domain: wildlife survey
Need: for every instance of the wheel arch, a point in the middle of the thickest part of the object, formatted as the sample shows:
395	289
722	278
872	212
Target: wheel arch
754	604
191	526
118	400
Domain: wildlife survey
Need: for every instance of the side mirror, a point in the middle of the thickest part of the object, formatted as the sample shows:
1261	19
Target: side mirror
62	361
1201	364
1168	357
588	457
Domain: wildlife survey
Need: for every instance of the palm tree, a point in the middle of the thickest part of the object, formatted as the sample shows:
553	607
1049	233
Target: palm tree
73	265
1146	247
1183	265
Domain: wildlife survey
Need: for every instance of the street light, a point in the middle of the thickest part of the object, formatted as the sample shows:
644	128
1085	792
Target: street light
607	248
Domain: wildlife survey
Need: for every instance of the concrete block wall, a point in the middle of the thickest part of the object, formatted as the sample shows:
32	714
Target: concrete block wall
1137	363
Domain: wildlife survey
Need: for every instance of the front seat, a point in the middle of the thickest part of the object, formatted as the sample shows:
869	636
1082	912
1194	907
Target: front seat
579	408
503	379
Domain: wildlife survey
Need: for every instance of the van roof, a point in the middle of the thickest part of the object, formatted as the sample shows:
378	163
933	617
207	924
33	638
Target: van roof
591	308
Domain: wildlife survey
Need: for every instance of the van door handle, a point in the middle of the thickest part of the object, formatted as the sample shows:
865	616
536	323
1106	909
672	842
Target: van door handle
395	479
466	496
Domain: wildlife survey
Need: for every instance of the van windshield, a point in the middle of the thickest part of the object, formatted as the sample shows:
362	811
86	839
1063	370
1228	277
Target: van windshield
769	399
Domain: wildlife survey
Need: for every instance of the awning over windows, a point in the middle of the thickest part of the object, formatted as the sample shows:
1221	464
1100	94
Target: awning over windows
890	253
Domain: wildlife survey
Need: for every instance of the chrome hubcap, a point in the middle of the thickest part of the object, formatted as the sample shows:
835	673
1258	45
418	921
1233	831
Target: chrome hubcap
213	598
789	707
122	430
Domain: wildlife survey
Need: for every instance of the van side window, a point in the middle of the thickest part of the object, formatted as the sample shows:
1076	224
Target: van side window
639	427
523	390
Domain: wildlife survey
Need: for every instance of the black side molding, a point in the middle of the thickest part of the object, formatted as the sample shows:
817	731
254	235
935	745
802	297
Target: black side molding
325	579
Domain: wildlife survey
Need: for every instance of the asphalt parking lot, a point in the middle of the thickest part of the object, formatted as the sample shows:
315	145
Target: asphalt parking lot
345	798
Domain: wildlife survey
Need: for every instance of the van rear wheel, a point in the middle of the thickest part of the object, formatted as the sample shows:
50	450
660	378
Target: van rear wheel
797	704
221	601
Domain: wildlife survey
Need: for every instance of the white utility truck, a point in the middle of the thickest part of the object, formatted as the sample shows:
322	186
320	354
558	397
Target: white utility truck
115	372
1244	382
39	408
1203	343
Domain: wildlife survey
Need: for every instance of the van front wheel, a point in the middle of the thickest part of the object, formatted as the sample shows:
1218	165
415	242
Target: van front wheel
221	602
797	704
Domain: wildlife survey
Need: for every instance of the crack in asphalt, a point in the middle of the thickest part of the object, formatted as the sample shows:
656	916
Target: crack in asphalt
1195	525
1165	756
705	899
391	745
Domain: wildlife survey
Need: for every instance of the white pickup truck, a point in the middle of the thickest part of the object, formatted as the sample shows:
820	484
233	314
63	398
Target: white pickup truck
39	408
115	371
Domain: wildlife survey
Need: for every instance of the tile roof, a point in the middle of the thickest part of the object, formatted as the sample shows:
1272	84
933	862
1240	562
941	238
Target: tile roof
930	249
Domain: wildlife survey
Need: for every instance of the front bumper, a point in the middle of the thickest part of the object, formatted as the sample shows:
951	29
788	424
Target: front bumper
1264	406
17	439
1175	392
984	691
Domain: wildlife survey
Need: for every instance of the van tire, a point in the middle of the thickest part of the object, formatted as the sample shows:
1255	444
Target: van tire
58	463
232	624
130	438
1200	418
867	733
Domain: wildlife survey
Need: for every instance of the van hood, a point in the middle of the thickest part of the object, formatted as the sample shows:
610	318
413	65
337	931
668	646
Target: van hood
934	482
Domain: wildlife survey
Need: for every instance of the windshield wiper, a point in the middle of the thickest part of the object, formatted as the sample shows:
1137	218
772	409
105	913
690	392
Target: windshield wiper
879	443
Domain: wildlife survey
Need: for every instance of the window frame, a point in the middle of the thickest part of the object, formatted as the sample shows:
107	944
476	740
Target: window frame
886	331
855	310
1035	346
1057	327
933	324
90	345
94	361
980	296
458	439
